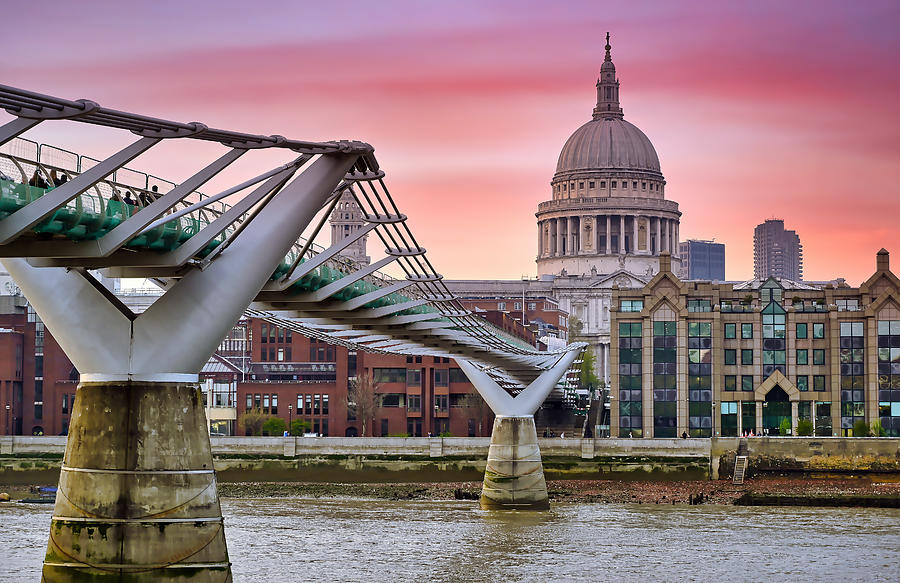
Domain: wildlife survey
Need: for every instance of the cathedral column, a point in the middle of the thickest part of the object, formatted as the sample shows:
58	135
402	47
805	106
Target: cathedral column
608	237
540	246
634	234
677	229
656	235
551	236
558	223
621	234
571	235
664	235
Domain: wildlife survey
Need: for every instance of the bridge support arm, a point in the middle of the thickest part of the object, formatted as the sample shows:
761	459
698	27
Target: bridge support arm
514	474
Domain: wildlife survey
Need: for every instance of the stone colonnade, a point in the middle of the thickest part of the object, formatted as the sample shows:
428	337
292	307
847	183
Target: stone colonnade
593	234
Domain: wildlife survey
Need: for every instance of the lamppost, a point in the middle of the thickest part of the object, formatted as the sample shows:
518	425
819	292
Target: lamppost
290	417
7	420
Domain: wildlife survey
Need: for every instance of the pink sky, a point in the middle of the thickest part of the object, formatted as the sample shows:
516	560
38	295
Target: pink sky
768	109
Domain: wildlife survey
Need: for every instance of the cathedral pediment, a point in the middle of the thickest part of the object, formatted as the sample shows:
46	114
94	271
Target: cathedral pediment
621	278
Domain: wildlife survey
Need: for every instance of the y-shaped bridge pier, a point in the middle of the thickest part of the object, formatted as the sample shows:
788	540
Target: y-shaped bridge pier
137	494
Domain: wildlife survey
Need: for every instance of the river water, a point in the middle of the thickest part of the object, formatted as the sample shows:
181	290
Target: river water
298	539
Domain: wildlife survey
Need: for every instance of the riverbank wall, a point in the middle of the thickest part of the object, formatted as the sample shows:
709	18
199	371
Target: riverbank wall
31	459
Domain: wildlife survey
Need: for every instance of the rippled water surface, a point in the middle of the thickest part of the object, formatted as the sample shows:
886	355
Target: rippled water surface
295	539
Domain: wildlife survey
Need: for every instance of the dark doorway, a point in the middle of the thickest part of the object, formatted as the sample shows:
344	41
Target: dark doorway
776	410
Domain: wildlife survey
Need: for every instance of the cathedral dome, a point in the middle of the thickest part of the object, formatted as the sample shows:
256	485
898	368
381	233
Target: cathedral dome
608	143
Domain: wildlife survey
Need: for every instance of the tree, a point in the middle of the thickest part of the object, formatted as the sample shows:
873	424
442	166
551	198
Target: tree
252	421
861	429
877	429
362	400
785	427
804	427
300	426
587	376
274	426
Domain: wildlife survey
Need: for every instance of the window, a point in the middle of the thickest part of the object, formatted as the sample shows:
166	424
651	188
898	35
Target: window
818	330
392	400
264	333
517	306
65	404
803	383
532	305
819	383
747	383
888	374
308	410
847	305
442	403
746	330
801	331
265	403
602	184
613	185
441	377
664	379
802	357
581	185
630	400
634	184
747	356
730	356
501	306
274	409
414	403
458	376
250	403
590	185
699	306
730	331
631	305
730	383
818	356
317	404
389	375
643	186
413	377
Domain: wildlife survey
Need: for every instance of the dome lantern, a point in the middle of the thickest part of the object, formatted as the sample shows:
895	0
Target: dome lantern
607	89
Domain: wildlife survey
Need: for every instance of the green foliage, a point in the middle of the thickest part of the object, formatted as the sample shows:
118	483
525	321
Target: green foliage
274	426
861	429
446	434
300	426
804	427
877	429
589	378
785	427
397	435
252	421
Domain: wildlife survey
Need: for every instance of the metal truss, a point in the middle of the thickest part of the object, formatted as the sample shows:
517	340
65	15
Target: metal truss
90	221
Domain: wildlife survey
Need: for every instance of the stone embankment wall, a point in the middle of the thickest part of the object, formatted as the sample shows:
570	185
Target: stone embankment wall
25	459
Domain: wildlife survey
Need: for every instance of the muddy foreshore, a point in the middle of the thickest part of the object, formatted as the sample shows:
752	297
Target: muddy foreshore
867	491
880	491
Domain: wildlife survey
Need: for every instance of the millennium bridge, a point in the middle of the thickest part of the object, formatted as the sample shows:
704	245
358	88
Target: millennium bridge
137	496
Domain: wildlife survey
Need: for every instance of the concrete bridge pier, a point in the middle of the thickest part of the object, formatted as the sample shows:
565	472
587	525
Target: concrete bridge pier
514	475
137	496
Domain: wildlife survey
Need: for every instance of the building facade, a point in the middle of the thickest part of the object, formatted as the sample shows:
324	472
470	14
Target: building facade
727	359
776	252
702	260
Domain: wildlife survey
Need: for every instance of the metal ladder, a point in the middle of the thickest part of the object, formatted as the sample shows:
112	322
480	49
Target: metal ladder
740	469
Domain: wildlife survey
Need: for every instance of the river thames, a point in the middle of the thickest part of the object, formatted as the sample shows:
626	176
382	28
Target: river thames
302	539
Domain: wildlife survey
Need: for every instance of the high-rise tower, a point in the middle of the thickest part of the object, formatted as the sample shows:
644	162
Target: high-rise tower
777	252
